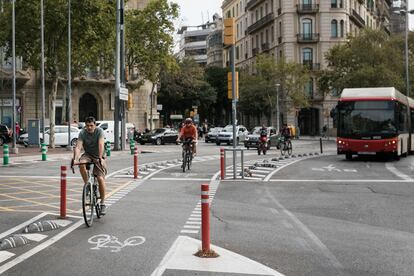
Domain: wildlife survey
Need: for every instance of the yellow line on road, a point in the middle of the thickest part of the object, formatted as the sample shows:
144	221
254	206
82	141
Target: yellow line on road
31	201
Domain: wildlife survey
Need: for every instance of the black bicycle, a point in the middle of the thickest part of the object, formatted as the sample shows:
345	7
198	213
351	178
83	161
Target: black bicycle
285	146
187	154
90	195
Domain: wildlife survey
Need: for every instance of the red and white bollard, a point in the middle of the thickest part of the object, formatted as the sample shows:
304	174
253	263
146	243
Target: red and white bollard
205	218
135	163
222	163
63	173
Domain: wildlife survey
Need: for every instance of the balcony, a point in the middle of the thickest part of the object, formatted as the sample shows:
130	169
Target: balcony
253	3
307	8
307	38
312	66
261	23
357	19
265	47
279	11
279	39
255	51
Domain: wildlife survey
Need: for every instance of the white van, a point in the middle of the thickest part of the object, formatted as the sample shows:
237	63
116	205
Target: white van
109	129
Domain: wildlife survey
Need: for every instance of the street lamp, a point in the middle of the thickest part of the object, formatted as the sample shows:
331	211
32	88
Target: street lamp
277	106
14	148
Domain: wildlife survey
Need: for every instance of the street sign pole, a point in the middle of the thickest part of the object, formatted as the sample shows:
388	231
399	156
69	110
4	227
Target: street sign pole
69	100
234	101
122	75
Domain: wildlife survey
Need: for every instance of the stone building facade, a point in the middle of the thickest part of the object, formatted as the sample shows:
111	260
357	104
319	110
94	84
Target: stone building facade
302	31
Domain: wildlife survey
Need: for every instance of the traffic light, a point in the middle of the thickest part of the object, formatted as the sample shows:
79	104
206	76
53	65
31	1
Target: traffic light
229	31
229	85
130	101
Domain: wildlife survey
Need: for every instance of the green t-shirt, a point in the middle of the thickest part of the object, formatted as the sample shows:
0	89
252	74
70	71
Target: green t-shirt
91	141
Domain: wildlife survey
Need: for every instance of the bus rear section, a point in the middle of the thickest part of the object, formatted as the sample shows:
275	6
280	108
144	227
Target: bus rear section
372	121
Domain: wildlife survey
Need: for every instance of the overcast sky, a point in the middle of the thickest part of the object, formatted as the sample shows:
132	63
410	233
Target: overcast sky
193	12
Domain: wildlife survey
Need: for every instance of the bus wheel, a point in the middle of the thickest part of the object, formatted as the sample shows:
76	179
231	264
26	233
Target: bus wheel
348	156
396	156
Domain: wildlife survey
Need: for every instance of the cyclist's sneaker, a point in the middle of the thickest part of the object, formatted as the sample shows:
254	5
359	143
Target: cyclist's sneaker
103	209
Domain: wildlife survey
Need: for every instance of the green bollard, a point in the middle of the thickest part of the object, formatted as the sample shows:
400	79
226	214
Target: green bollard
44	152
108	148
5	154
132	145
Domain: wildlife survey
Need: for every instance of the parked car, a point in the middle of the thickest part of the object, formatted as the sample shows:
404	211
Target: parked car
24	138
61	136
109	129
252	140
159	136
211	136
5	134
226	135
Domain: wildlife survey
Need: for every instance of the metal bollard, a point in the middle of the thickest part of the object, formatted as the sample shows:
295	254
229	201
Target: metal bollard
135	163
132	145
44	149
63	191
320	142
5	154
222	169
108	148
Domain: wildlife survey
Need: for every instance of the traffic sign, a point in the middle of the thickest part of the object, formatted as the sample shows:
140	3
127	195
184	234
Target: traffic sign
123	94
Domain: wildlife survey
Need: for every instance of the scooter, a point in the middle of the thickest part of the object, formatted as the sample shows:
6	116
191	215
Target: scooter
262	147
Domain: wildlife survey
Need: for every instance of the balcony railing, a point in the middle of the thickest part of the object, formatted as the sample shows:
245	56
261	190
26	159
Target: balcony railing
312	66
265	46
307	8
253	3
255	51
307	37
358	20
261	23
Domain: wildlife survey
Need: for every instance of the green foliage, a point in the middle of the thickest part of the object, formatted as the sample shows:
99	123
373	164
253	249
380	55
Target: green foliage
149	38
217	78
258	91
185	87
372	59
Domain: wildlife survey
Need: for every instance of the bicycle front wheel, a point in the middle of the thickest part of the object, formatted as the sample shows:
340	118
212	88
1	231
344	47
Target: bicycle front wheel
87	204
189	157
289	148
184	161
282	148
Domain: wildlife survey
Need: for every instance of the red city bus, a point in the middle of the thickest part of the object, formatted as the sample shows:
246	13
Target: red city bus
373	121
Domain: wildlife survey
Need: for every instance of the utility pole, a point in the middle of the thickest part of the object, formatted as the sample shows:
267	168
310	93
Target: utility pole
42	36
123	81
117	75
69	100
14	148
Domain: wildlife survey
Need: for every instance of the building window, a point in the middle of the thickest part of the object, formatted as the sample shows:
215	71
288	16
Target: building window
341	4
307	2
237	10
267	36
280	29
237	52
334	28
307	56
271	6
228	14
266	9
233	11
334	3
241	28
272	35
307	28
261	12
309	89
342	28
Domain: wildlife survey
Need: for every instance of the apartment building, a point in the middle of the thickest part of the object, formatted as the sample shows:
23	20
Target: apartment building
302	31
215	44
398	19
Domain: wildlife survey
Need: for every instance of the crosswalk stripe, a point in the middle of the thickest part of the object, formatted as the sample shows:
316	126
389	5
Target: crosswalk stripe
4	255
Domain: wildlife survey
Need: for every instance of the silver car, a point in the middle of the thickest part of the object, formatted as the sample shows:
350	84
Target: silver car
226	135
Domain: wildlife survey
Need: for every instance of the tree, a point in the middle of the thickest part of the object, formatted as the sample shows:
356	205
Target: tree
92	38
217	78
185	87
149	41
371	59
259	93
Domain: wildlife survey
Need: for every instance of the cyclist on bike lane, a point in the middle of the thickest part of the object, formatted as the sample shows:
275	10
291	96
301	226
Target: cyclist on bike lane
285	132
263	134
92	140
189	131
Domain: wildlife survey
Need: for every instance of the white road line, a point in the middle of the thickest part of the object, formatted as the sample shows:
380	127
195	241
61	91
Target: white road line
35	237
192	226
39	248
181	179
193	222
186	231
4	255
196	219
342	180
398	173
14	229
39	176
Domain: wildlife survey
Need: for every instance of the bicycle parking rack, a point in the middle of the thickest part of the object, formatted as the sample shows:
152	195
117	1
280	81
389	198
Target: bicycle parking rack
235	150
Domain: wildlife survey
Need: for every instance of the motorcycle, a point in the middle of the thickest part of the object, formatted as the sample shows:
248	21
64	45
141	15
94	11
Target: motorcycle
262	147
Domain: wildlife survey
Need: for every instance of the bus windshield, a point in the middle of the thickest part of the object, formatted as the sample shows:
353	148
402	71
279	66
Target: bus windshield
366	119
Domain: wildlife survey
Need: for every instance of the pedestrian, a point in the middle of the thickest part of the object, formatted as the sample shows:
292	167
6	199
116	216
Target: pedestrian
17	129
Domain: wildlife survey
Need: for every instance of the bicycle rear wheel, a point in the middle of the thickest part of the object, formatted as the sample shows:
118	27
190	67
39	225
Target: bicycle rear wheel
88	203
289	147
189	157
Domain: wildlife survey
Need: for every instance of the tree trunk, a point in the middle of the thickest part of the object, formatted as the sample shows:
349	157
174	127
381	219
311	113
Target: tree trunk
52	105
151	104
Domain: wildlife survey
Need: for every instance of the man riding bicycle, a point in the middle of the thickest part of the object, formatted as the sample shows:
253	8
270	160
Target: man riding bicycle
189	131
92	140
285	132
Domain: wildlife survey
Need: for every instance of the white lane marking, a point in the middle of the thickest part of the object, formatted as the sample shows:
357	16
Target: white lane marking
197	219
181	179
322	247
192	226
281	167
14	229
112	242
189	231
4	255
34	237
193	222
39	248
62	222
38	176
396	172
342	180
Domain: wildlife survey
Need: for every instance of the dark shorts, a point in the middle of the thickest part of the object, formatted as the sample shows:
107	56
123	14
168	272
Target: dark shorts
98	169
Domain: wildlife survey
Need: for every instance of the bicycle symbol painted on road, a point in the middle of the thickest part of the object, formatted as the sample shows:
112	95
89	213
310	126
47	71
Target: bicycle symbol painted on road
112	242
